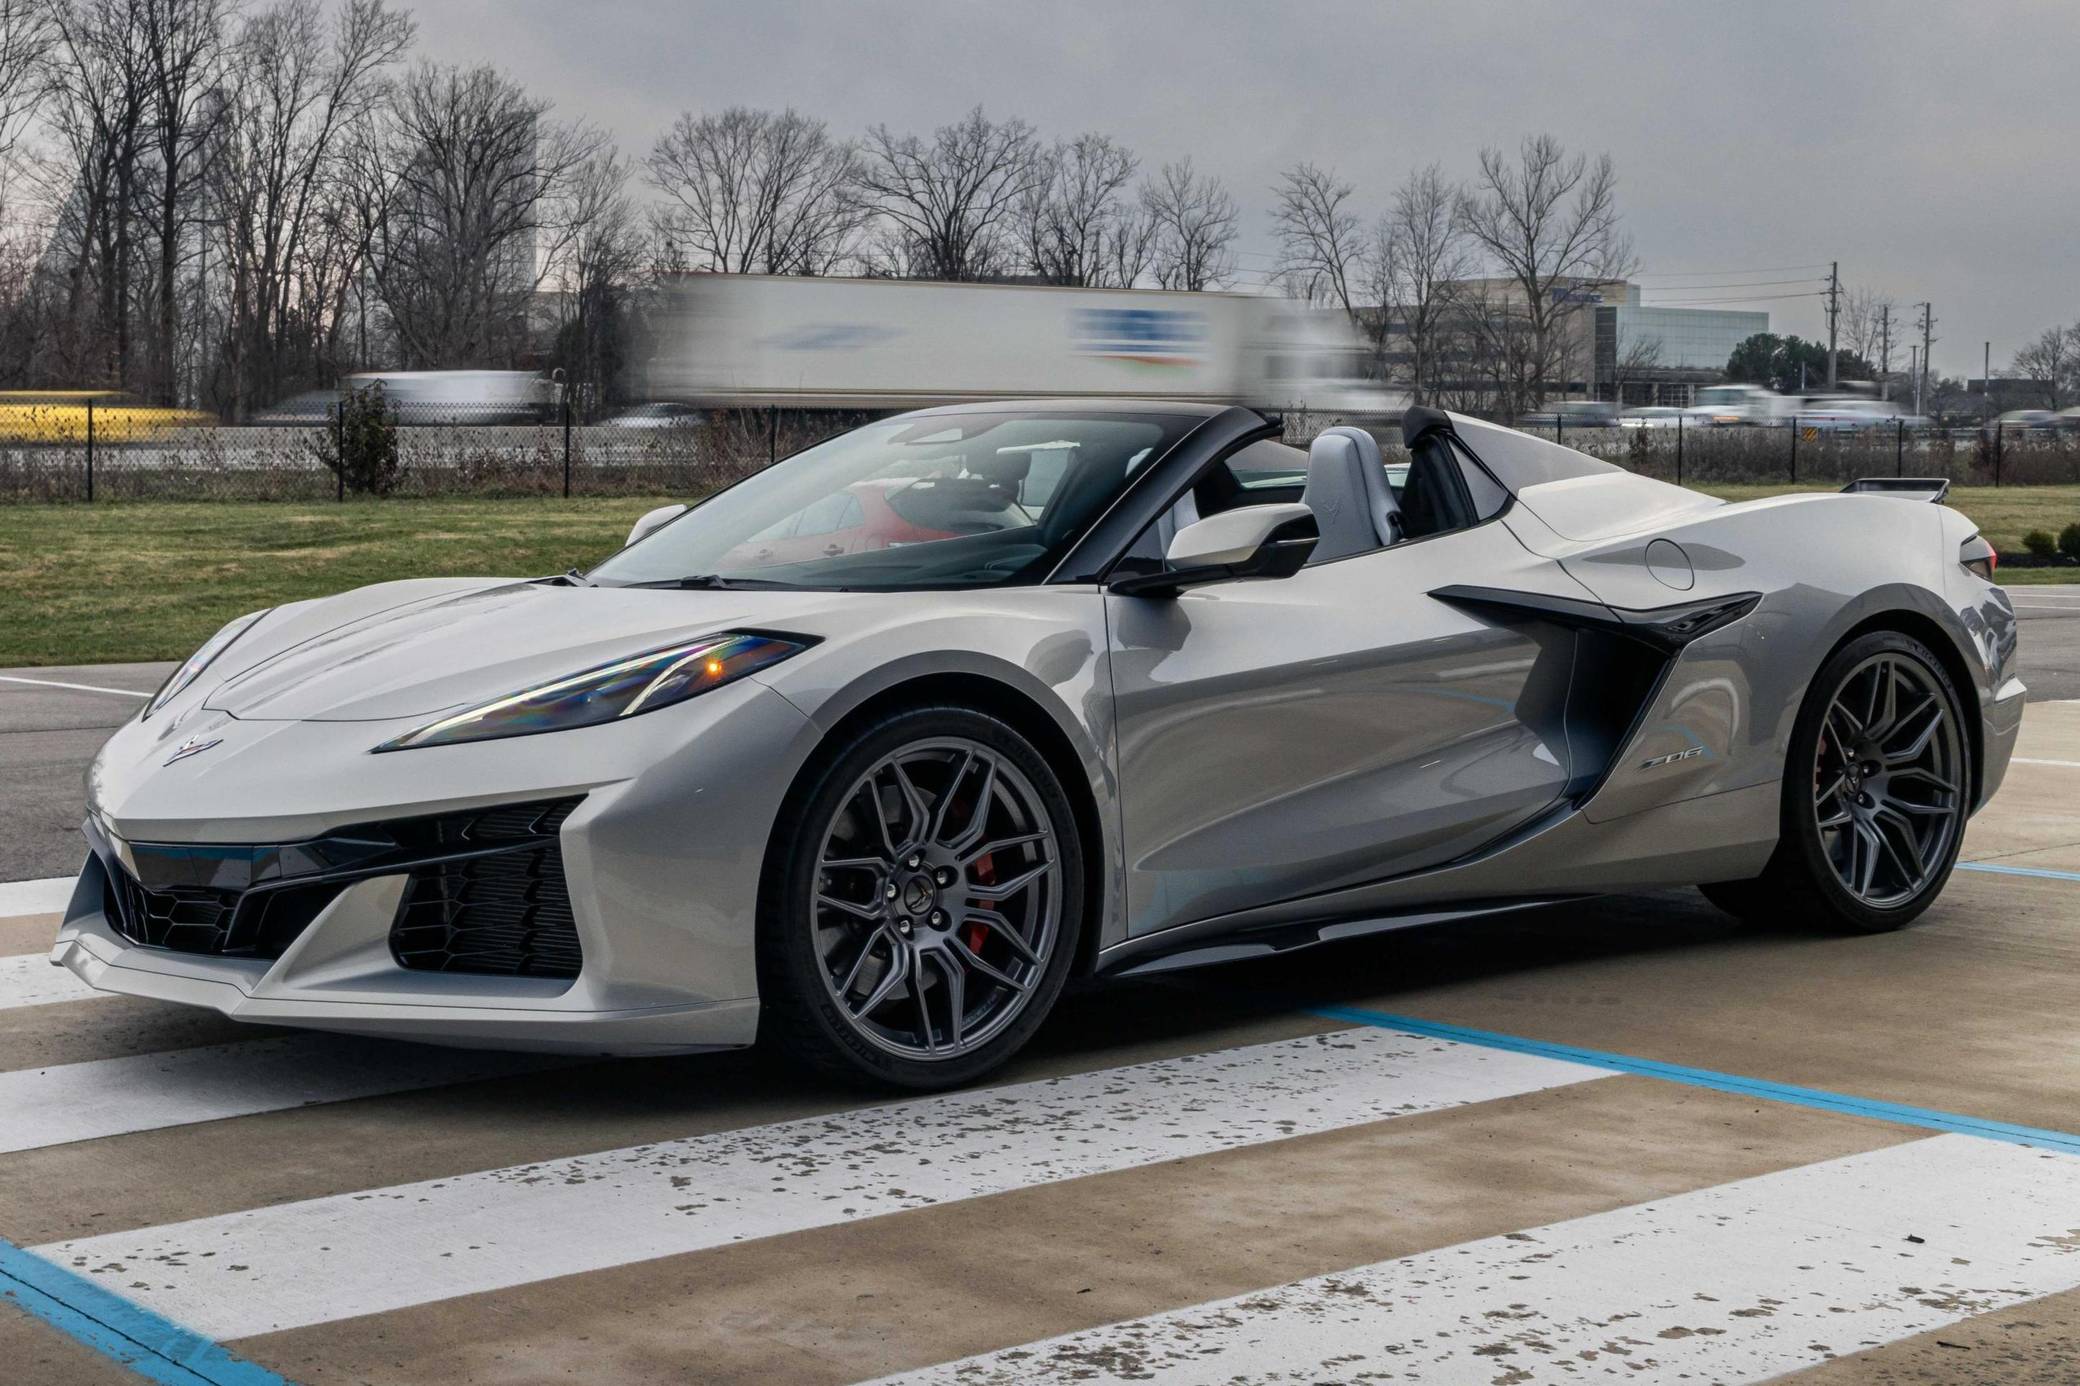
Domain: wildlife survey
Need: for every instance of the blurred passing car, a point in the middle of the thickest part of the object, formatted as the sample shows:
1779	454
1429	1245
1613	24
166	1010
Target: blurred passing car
1573	413
1651	416
60	417
2027	421
662	414
1848	414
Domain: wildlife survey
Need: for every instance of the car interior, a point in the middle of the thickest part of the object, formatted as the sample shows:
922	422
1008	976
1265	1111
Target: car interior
1361	503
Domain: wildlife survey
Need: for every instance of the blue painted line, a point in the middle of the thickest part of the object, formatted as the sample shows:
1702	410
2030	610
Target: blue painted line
154	1347
1818	1098
1995	868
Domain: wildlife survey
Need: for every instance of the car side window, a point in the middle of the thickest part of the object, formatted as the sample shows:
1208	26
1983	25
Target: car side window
1486	493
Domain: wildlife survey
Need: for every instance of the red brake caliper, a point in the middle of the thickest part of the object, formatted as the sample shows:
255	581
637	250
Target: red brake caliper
986	874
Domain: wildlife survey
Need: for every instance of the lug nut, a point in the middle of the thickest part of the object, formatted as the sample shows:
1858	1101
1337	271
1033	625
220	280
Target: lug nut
903	926
914	862
938	918
889	891
945	876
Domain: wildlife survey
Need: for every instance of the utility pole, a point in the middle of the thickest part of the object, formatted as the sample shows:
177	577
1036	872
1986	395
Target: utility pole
1928	323
1885	351
1914	370
1834	312
1986	380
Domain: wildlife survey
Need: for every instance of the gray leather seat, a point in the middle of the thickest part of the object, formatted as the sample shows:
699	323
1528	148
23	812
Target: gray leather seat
1354	507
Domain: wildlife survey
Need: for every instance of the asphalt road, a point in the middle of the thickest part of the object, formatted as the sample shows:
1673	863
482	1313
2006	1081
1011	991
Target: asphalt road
48	732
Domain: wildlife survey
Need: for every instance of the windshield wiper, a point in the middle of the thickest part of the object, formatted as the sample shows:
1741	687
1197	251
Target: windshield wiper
716	582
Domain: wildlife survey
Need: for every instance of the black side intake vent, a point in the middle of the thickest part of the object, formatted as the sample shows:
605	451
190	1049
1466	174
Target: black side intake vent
496	904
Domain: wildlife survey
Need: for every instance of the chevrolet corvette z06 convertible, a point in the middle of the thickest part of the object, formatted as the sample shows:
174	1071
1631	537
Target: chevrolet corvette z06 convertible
1130	687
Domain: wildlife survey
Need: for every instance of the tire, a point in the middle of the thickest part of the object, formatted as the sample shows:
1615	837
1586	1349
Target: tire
1867	841
886	912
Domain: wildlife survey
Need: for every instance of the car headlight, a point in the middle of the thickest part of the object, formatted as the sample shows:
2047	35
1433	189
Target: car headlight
626	688
200	660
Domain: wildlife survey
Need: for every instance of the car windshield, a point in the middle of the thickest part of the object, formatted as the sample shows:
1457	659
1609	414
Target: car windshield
922	501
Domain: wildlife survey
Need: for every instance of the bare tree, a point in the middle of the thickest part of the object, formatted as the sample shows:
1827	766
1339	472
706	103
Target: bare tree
1549	224
757	192
1414	272
1077	224
26	36
184	43
2051	364
949	201
1639	359
99	87
293	232
1195	227
1863	321
1319	236
470	167
596	265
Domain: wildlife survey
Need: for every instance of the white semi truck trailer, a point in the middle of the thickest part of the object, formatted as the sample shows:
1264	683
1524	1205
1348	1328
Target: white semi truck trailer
757	341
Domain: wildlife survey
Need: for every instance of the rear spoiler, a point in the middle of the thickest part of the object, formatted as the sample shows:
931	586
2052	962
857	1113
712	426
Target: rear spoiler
1935	489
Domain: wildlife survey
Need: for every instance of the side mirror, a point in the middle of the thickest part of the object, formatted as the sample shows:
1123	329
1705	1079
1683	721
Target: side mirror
1257	541
654	521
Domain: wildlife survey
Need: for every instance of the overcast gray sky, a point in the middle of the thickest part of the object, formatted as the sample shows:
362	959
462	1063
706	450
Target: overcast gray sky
1930	147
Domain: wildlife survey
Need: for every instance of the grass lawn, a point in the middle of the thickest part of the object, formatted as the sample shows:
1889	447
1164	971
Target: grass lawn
90	584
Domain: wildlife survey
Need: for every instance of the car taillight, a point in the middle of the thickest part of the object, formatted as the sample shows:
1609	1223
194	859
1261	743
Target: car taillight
1979	557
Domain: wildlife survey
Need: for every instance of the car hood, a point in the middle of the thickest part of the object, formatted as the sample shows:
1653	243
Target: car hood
459	648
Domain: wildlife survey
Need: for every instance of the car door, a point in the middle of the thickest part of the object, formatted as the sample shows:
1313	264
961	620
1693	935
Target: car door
1281	738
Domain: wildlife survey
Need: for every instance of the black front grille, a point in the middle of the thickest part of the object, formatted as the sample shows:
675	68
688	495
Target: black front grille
484	890
188	919
497	903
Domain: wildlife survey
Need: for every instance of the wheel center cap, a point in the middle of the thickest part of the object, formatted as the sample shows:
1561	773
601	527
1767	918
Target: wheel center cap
919	894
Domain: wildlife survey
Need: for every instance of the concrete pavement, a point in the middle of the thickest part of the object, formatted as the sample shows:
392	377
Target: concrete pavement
1652	1145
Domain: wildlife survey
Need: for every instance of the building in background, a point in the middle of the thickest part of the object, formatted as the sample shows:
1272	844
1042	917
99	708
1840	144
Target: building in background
1653	355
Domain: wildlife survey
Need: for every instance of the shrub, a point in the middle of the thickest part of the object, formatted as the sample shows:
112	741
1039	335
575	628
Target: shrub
360	445
2040	543
2069	542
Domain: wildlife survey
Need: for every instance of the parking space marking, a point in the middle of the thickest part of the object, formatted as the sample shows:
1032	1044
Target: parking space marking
28	979
148	1092
1739	1282
1994	868
76	687
154	1348
47	896
2032	760
1820	1099
350	1254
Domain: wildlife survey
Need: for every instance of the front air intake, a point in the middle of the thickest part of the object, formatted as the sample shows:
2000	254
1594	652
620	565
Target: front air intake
495	903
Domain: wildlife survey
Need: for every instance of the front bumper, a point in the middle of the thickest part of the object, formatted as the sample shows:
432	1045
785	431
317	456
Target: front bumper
660	861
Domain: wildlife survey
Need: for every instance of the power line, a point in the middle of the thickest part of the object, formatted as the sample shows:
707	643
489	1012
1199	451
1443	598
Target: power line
1720	274
1756	298
1753	284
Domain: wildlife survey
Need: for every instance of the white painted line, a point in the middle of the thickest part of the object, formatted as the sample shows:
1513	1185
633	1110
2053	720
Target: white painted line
47	896
2031	760
78	687
1740	1282
28	979
2046	606
363	1253
147	1092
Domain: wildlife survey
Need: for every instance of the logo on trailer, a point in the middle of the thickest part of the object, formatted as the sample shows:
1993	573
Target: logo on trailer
1144	336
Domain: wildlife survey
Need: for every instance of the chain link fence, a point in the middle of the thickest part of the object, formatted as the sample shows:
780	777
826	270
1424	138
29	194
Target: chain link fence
92	452
360	447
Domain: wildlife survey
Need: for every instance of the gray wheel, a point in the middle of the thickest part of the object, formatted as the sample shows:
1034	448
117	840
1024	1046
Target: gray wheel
1888	779
923	901
1877	788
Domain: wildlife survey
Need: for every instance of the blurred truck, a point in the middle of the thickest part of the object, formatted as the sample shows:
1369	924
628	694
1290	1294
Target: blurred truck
60	417
753	341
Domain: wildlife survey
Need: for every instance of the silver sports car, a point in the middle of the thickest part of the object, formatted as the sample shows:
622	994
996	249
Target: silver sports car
868	755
